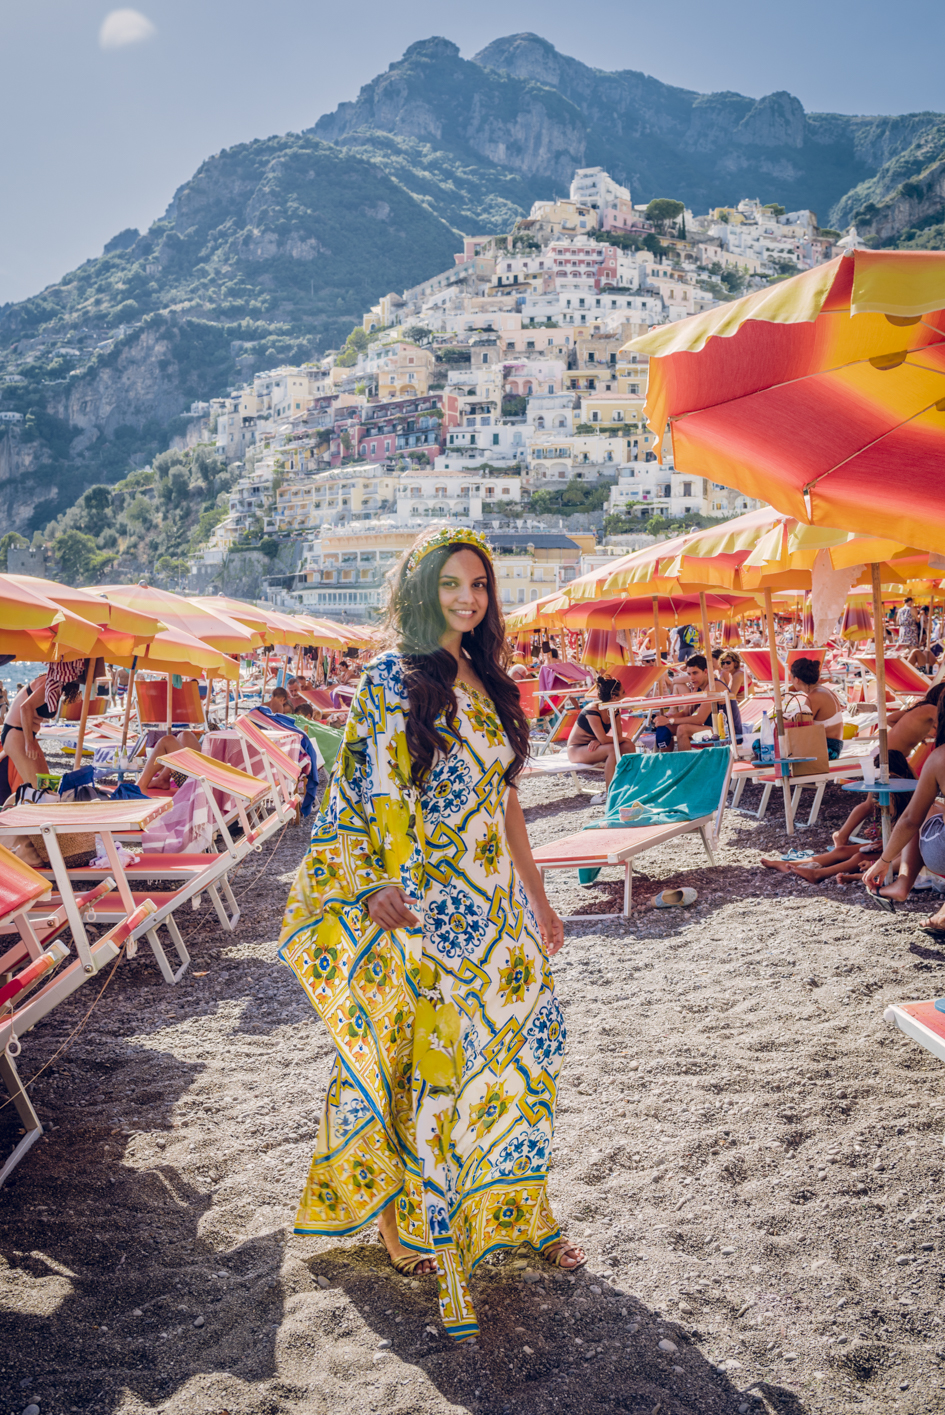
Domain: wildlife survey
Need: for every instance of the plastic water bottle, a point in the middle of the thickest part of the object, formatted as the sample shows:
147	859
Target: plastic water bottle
766	738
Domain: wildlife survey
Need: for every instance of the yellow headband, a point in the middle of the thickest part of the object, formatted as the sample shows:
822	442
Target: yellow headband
439	536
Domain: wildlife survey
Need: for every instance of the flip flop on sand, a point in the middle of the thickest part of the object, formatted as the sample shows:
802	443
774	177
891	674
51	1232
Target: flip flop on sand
673	899
929	928
888	904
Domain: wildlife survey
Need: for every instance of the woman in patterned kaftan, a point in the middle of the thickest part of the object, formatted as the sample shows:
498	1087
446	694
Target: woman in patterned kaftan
419	928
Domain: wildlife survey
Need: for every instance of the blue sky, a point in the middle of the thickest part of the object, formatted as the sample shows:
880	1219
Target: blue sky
100	126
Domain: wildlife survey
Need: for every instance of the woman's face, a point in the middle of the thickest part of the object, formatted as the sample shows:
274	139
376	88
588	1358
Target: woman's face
464	591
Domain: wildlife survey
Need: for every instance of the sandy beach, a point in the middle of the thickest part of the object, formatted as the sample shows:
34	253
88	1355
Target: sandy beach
752	1157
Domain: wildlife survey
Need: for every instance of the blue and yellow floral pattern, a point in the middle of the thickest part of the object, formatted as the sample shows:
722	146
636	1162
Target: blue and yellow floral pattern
467	1166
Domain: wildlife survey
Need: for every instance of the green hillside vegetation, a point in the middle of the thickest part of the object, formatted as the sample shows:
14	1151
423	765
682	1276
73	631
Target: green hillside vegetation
149	521
286	236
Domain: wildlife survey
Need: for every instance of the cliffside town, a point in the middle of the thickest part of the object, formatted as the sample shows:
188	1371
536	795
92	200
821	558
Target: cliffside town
498	391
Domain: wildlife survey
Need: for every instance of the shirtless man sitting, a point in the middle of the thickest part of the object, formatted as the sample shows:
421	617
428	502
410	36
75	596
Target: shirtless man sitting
687	721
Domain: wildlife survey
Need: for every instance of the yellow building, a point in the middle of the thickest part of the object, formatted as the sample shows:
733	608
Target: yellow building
405	372
530	564
563	217
612	410
384	314
330	495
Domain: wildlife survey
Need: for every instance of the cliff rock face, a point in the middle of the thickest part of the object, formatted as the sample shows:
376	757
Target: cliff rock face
270	252
140	381
27	482
905	200
433	96
671	141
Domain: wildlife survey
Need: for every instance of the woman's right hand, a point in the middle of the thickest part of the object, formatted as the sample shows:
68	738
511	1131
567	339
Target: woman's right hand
875	876
388	909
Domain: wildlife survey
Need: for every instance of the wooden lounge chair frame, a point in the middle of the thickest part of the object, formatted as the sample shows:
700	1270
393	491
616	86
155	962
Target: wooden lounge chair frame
18	1022
617	845
109	907
283	774
914	1027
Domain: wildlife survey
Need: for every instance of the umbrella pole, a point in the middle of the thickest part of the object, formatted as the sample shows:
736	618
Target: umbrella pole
778	708
86	699
709	660
170	705
656	632
129	690
882	729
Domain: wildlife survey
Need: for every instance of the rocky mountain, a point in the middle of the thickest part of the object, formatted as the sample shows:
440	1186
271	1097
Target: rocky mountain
273	249
904	203
539	114
269	253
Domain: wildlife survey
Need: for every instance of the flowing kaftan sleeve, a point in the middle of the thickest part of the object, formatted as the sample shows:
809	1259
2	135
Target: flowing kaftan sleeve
370	834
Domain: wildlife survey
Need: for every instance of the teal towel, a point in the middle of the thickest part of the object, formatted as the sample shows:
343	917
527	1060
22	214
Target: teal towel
670	786
329	739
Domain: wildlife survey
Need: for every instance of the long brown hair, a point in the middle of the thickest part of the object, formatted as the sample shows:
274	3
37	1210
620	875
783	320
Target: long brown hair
415	616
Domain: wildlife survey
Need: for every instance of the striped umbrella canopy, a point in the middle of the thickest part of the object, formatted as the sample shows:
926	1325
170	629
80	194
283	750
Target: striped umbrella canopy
824	395
94	606
290	630
639	612
324	633
22	607
602	649
183	616
173	651
544	613
34	627
240	610
857	623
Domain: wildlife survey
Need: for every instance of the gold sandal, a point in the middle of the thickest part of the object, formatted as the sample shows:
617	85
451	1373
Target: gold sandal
557	1250
408	1264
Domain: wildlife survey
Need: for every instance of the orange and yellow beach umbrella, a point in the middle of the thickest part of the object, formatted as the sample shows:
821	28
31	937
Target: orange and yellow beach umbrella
824	395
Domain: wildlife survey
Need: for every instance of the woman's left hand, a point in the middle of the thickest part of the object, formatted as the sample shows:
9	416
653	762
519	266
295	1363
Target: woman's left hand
549	926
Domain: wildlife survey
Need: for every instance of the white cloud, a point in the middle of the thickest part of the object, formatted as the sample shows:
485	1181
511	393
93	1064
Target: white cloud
121	27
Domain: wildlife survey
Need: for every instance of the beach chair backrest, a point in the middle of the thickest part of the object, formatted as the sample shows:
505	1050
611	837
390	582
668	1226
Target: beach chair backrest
319	698
527	691
220	775
186	702
637	679
817	654
901	677
20	885
265	744
563	730
72	712
752	708
758	663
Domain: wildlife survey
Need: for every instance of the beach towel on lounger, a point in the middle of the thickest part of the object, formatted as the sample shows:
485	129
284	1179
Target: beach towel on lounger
669	786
